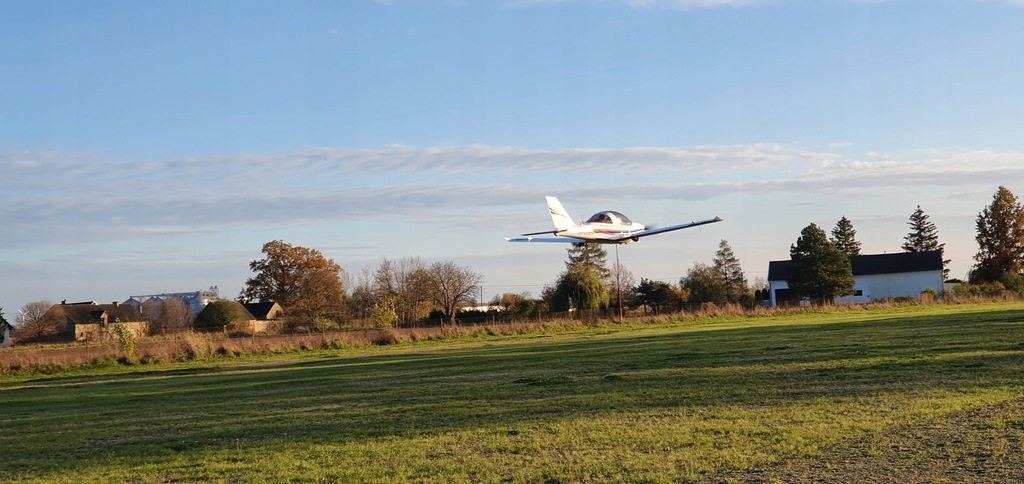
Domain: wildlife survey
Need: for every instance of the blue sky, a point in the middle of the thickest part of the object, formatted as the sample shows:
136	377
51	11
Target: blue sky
154	147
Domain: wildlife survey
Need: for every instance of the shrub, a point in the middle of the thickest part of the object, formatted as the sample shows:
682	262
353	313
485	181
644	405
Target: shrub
386	337
219	314
1013	281
195	346
127	341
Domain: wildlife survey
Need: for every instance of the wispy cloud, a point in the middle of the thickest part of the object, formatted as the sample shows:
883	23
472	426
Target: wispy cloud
47	198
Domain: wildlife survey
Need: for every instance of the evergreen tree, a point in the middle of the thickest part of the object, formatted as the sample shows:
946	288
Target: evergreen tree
818	269
653	294
1000	238
591	256
5	328
923	237
733	279
844	237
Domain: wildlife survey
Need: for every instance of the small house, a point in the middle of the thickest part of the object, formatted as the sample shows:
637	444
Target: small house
266	317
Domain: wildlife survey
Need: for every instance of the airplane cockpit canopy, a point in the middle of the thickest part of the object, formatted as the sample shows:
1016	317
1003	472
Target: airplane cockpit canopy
609	217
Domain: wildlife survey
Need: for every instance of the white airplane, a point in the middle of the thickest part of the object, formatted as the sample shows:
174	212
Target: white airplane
606	227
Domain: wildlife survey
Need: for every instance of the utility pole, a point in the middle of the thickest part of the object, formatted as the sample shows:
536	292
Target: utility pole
618	280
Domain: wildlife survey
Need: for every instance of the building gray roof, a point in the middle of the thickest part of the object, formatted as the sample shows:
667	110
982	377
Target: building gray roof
865	265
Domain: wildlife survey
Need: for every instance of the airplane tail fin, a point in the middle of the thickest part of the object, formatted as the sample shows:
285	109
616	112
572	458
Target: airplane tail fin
559	216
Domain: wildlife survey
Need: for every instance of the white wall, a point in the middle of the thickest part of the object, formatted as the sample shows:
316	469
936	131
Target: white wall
879	287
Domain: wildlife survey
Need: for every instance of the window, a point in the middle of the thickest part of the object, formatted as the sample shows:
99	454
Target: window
624	220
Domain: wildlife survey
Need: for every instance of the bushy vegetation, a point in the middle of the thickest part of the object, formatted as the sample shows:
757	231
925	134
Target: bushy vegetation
185	346
220	315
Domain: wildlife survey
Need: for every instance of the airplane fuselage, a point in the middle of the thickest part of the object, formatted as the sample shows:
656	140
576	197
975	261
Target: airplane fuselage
606	227
601	233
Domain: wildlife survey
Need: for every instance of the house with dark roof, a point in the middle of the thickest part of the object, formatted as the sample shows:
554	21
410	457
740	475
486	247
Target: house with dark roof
266	317
264	311
89	321
877	277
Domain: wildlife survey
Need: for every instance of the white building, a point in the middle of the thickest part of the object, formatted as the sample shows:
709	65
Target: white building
877	277
196	300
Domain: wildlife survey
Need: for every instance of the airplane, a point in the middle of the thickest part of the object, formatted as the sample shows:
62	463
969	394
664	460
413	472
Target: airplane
608	227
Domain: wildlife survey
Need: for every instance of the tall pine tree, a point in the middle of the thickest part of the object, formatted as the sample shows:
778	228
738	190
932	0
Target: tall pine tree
726	263
844	237
924	237
590	256
818	269
5	330
1000	238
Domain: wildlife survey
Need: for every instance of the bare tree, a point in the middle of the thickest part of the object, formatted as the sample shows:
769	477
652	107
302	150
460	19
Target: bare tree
35	322
363	297
32	312
171	316
450	286
405	282
620	291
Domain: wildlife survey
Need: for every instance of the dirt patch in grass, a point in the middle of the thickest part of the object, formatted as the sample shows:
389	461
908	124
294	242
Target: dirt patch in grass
984	445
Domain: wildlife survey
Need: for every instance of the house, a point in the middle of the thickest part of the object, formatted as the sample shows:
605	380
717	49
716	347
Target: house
89	321
5	327
266	317
877	277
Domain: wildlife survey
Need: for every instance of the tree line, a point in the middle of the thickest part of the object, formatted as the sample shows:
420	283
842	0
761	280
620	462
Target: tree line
316	292
820	267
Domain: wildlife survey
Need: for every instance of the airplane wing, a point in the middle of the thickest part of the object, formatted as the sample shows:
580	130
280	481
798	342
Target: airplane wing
562	240
671	228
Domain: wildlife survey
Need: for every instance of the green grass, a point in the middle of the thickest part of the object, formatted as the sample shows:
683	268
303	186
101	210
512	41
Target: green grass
664	402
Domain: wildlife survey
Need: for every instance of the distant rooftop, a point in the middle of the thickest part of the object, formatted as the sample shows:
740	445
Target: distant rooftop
866	265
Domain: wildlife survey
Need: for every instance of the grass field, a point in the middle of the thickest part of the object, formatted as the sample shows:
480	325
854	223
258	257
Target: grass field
925	392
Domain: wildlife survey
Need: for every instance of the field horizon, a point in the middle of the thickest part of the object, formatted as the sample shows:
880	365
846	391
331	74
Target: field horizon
924	392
